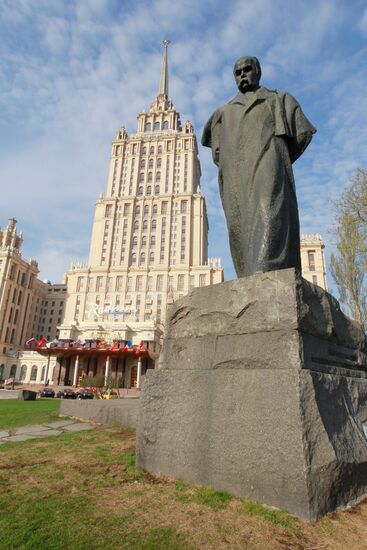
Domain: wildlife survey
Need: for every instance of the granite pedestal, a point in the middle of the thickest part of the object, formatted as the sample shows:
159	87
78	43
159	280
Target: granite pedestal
261	391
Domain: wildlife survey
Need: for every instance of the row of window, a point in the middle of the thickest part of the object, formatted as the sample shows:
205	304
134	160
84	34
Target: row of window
50	320
173	284
138	307
115	284
133	148
151	163
12	320
146	210
20	277
142	258
149	150
23	373
149	178
156	126
148	191
53	303
9	336
311	260
15	299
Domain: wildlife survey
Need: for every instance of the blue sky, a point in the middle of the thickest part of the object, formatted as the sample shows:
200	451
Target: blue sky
73	71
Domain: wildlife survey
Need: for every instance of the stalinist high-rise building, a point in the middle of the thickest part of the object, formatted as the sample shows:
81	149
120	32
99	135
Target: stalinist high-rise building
150	234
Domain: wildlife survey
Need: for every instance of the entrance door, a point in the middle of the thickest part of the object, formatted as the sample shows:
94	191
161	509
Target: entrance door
133	376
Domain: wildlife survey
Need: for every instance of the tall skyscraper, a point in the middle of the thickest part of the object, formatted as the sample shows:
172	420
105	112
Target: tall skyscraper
150	234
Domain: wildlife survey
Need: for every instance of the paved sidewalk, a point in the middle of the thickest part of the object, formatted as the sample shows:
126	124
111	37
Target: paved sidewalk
42	430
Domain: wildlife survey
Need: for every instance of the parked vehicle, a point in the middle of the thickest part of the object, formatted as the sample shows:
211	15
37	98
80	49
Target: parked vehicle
109	394
66	393
84	394
47	392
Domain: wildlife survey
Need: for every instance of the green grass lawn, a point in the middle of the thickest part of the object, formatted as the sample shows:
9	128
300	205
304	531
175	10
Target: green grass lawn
15	413
83	491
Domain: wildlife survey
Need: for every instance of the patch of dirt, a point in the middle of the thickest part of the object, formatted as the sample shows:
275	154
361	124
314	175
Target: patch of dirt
17	465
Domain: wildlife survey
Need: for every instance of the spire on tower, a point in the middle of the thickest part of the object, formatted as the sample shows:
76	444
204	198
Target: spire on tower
163	83
162	101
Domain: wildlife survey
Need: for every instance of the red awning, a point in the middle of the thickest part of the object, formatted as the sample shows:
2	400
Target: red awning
96	352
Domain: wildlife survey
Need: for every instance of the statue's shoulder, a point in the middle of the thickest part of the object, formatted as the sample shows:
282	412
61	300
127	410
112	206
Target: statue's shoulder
276	94
220	109
285	97
217	115
269	91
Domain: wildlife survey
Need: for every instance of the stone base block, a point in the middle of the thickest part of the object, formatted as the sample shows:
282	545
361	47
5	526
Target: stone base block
123	412
25	395
261	391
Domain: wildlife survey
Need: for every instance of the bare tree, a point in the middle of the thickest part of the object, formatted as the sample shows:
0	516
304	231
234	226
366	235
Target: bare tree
349	264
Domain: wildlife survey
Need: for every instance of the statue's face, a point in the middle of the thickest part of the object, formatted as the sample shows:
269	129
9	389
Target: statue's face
246	76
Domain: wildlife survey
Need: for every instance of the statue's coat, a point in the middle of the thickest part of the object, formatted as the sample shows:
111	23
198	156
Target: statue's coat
254	140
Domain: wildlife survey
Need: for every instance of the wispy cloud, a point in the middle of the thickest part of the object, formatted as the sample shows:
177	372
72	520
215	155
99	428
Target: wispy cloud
363	23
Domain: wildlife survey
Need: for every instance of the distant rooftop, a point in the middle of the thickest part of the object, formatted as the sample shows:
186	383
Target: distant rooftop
312	237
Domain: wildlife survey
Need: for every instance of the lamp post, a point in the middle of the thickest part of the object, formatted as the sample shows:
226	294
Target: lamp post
47	369
138	377
76	368
107	371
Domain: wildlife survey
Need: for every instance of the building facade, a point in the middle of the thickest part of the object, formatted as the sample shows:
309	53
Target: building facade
313	260
29	308
149	242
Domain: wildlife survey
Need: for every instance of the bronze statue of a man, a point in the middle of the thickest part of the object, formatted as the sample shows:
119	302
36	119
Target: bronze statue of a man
255	138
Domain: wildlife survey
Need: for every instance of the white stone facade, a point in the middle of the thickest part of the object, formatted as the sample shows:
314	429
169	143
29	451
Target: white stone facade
29	367
25	305
313	259
149	242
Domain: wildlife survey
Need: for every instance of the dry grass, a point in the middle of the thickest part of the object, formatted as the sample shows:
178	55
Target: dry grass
82	490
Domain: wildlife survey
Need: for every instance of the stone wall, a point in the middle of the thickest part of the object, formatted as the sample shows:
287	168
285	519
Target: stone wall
123	412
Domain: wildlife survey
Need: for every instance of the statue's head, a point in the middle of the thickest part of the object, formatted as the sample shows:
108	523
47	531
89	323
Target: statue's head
247	73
